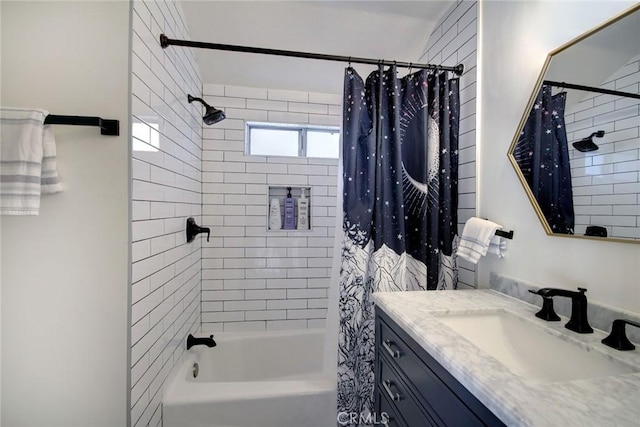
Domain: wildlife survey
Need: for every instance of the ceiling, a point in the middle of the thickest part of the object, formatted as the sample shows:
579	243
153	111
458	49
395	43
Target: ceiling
392	30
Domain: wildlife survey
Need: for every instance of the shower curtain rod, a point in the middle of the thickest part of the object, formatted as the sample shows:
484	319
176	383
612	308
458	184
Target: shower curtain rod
165	41
590	89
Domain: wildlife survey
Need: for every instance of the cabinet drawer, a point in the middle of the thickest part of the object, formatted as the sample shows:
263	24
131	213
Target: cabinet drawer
385	407
445	407
395	390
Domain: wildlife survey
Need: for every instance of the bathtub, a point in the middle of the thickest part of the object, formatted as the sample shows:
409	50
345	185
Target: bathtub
265	379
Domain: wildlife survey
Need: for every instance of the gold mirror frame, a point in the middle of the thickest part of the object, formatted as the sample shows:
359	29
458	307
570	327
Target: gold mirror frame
525	116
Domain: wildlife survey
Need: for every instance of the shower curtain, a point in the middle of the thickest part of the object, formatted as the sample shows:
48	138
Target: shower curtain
400	176
542	152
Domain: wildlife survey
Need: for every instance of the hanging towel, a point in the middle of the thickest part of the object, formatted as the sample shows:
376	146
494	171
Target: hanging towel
49	180
497	246
477	238
27	161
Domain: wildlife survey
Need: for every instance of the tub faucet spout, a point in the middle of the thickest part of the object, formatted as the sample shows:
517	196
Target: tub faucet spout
191	341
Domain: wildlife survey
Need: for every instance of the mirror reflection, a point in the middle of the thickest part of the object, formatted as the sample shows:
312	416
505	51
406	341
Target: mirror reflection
577	151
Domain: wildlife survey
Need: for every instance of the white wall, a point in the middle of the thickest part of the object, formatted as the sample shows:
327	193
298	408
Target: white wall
255	278
167	189
65	272
515	39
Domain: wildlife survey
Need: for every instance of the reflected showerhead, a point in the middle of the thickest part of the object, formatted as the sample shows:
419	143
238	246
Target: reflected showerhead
587	144
212	115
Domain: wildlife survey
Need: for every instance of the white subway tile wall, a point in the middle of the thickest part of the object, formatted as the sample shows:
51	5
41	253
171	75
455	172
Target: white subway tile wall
454	41
254	278
606	182
166	164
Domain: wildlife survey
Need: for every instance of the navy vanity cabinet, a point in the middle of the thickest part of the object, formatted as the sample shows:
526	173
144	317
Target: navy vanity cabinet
383	406
420	391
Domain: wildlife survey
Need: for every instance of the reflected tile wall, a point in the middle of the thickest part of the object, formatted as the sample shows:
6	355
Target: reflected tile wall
606	182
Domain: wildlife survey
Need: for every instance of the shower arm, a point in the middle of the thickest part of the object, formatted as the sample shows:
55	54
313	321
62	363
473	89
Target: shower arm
202	101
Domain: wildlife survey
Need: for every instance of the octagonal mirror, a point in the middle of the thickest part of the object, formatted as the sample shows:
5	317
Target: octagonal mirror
577	149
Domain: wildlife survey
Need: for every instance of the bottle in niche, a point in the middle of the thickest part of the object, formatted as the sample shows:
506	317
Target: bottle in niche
289	211
275	218
303	211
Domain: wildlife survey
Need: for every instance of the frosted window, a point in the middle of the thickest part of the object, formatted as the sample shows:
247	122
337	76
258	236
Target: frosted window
323	144
293	140
274	142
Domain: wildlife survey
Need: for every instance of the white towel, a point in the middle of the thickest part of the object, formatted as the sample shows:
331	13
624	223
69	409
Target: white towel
27	161
476	240
497	246
49	180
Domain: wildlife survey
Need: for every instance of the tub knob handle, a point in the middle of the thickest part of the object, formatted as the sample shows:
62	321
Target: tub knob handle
196	370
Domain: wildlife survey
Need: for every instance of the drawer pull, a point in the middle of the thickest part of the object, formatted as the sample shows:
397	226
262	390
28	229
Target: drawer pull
387	387
393	353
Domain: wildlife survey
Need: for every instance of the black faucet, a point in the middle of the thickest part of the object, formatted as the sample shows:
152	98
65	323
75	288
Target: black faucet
194	229
191	341
578	322
617	338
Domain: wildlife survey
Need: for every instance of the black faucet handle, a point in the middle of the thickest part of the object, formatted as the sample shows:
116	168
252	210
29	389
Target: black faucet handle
194	229
618	338
546	313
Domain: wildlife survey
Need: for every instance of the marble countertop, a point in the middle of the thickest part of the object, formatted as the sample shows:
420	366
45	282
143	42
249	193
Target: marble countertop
604	401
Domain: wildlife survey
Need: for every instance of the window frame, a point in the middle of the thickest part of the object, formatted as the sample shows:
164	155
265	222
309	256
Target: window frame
301	129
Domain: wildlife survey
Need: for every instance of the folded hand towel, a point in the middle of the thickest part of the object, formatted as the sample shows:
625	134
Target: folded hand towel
49	179
27	161
476	239
497	246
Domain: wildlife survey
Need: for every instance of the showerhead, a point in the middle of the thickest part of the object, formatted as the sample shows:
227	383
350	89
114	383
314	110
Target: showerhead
587	144
212	115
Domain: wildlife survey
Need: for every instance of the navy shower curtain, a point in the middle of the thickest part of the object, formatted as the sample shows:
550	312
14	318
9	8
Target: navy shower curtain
400	158
542	152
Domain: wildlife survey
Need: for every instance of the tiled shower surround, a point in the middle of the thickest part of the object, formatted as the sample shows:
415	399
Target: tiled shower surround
258	279
166	162
606	182
254	278
246	277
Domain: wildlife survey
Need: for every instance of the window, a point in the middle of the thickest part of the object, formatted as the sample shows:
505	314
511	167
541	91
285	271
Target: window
268	139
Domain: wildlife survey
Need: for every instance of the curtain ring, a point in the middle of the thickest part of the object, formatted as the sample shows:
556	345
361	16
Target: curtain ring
349	62
410	67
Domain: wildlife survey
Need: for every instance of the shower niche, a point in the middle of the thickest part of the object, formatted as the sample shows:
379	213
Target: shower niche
289	208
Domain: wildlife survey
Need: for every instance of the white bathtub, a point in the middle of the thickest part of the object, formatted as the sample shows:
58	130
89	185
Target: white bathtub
266	379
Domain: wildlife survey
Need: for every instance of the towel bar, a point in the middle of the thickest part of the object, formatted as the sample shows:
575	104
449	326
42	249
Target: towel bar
505	234
107	127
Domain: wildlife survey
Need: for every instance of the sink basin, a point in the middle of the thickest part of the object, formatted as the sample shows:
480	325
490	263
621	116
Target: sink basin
530	350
